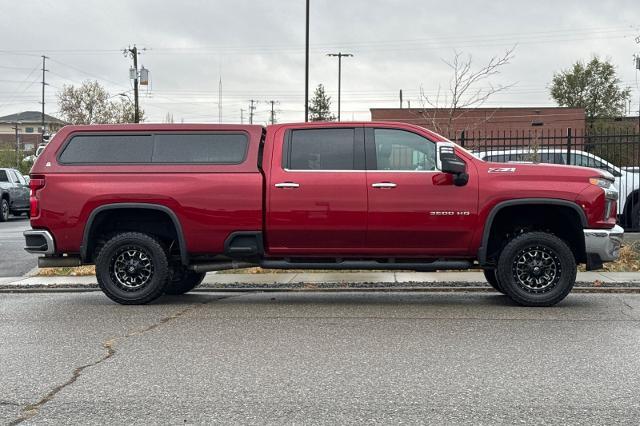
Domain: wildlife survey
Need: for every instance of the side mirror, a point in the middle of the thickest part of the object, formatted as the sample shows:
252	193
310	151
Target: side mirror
451	163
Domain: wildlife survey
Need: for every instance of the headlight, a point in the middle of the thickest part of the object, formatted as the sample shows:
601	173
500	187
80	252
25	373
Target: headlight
601	182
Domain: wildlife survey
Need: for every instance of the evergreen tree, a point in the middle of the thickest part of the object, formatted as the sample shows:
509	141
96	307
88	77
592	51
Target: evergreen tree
320	106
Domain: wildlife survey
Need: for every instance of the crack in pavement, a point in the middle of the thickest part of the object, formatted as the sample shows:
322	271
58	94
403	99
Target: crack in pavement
31	410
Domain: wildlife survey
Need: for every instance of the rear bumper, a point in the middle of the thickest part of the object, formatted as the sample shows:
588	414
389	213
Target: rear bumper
39	241
603	243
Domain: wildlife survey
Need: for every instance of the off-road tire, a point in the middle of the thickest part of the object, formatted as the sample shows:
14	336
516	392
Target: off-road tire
518	260
152	269
635	215
4	210
183	280
492	278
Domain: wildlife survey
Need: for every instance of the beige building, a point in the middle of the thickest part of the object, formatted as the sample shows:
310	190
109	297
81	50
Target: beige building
29	125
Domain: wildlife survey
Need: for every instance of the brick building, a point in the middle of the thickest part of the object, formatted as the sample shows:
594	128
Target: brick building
485	121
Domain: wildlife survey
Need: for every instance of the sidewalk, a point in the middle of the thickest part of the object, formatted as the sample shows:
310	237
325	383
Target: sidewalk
336	280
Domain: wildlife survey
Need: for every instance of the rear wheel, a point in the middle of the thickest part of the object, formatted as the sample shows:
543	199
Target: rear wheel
4	210
492	278
537	269
183	281
132	268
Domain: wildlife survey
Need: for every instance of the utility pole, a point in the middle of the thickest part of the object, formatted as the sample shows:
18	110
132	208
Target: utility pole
637	61
242	110
339	55
133	74
44	70
17	145
251	109
272	119
400	98
220	101
306	69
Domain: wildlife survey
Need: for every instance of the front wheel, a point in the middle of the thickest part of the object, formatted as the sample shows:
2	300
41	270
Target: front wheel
183	281
4	210
537	269
132	268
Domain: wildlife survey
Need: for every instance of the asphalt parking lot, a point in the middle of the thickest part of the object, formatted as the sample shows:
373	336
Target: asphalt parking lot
319	358
14	261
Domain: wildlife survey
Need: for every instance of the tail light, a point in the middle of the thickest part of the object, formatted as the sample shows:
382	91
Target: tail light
35	184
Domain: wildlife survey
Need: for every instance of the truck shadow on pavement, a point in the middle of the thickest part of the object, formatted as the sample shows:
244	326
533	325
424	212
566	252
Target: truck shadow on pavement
424	299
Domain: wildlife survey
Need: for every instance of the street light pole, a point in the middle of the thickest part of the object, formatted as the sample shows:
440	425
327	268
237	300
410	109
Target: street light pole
339	55
306	69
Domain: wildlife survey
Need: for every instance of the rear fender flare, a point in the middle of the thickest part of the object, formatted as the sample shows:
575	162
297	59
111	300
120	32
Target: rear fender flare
184	256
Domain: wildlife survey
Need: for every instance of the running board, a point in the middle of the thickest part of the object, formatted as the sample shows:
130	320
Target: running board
369	265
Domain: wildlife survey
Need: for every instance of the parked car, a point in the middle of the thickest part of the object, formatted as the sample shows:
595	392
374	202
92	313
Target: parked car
14	194
627	180
155	206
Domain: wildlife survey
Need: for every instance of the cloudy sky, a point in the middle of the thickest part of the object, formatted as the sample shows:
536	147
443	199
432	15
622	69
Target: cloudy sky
257	49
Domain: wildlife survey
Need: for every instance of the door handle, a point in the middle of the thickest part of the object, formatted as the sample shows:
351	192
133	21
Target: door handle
287	185
383	185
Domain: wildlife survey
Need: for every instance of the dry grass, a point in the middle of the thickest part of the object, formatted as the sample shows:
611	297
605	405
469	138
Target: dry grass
78	271
629	262
629	259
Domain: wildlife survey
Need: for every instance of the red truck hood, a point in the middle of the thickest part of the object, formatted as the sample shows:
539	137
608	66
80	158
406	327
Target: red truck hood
556	172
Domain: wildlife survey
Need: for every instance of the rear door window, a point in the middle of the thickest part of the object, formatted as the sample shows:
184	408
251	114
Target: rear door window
4	177
321	149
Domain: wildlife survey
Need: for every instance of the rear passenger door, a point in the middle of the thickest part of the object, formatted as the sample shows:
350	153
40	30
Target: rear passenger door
317	198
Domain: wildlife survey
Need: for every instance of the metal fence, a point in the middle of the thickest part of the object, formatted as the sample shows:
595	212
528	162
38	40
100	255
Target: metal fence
614	150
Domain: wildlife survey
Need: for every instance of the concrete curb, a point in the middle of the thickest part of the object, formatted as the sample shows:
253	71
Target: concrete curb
334	281
469	289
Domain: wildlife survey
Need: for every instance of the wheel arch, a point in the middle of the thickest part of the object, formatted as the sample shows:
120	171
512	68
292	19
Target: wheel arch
486	233
84	248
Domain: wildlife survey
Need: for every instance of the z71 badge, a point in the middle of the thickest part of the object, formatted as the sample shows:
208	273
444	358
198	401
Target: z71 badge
502	169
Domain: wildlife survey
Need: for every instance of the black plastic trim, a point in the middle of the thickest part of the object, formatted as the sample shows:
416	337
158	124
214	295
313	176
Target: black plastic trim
244	252
184	256
482	251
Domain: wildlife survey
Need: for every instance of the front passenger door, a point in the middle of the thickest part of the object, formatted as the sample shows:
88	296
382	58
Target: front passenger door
414	208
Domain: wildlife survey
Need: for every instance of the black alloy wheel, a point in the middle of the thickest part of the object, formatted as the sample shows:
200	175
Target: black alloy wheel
537	269
132	268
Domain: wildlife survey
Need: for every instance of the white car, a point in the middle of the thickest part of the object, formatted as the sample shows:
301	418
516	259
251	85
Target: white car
627	182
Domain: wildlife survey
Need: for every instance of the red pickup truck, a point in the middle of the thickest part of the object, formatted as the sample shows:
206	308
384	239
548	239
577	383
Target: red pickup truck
156	206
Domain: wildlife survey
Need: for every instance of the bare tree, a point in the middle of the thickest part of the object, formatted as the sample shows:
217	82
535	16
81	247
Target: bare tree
468	88
90	103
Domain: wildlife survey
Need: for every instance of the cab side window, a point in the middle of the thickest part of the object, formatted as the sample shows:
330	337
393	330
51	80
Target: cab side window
402	150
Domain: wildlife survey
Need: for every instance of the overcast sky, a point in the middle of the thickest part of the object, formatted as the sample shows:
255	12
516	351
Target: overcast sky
257	48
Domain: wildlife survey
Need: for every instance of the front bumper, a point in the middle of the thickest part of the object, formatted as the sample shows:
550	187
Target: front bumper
603	243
